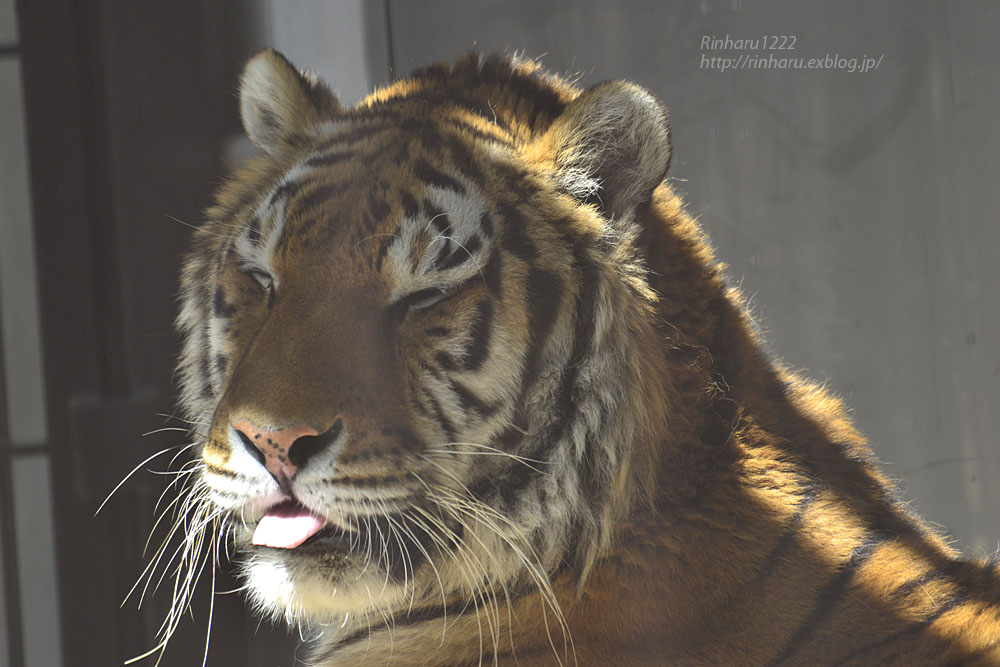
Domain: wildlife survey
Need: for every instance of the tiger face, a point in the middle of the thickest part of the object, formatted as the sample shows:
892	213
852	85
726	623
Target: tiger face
412	338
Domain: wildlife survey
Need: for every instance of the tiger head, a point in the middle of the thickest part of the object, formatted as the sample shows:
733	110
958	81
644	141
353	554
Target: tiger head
419	345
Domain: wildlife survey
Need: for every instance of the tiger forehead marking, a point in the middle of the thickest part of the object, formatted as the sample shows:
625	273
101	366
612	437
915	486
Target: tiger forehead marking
471	389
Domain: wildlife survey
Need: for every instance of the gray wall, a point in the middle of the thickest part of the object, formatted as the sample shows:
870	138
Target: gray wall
33	566
859	210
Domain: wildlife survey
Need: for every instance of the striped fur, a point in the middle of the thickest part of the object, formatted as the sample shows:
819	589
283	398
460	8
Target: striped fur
556	436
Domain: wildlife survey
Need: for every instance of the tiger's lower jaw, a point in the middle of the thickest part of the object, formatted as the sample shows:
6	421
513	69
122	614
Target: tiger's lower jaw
335	571
333	574
331	587
315	586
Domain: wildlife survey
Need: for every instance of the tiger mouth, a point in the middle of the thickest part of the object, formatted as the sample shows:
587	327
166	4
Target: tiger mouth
332	538
391	542
292	525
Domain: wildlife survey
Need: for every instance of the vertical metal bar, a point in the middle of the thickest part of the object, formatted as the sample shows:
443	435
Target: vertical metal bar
12	591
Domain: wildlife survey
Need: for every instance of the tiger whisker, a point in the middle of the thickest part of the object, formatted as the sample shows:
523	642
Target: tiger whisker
183	499
211	597
494	450
165	429
484	513
488	580
132	472
372	236
484	582
184	420
513	457
540	580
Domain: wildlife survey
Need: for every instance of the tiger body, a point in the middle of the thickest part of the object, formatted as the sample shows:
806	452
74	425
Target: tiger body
499	365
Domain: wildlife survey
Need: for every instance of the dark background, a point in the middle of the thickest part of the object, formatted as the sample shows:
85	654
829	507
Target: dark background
858	210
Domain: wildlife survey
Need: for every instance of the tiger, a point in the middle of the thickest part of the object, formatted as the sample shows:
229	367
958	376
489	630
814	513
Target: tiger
469	386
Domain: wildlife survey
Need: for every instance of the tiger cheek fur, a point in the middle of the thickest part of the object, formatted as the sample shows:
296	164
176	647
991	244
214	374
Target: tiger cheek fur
473	389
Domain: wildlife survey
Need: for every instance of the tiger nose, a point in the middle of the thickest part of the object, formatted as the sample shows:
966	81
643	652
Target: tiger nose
276	446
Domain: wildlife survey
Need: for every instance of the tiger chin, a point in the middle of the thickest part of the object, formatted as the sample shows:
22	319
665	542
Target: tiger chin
471	389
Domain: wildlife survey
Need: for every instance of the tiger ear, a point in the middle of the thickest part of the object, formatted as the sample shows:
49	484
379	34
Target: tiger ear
612	146
277	102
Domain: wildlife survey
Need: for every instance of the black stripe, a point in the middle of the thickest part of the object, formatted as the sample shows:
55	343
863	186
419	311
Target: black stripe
491	273
320	195
221	472
517	478
378	208
469	400
419	615
206	362
829	596
486	224
781	548
477	133
439	416
515	240
460	255
351	136
221	307
462	158
285	190
544	294
594	474
439	219
479	336
302	230
948	572
583	337
383	250
443	226
424	129
473	245
537	94
445	361
367	481
410	207
413	617
438	332
330	159
253	230
435	373
402	556
915	628
271	122
431	176
418	405
398	310
508	486
516	180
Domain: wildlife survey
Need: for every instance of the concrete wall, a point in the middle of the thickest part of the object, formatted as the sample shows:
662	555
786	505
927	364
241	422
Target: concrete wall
33	568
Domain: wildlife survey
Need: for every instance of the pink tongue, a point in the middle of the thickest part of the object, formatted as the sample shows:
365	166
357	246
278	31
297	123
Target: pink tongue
286	526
